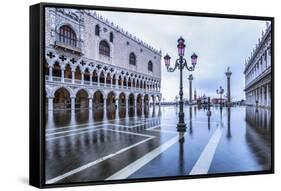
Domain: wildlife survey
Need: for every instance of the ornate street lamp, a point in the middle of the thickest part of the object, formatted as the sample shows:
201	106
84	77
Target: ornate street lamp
181	63
220	91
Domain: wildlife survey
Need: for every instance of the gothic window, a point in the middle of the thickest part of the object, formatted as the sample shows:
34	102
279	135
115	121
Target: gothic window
111	36
67	36
132	59
150	66
104	48
97	30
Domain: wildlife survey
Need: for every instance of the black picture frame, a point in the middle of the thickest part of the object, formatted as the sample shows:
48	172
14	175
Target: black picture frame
37	100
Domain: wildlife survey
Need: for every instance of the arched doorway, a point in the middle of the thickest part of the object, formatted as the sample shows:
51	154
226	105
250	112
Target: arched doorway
114	79
139	104
108	79
81	101
122	105
124	81
57	70
120	81
110	101
95	77
129	83
87	76
62	99
98	100
110	104
77	73
67	72
102	77
131	100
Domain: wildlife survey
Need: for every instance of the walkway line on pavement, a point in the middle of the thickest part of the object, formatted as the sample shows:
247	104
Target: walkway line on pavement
80	129
131	133
73	134
141	119
79	169
78	133
135	166
95	126
203	163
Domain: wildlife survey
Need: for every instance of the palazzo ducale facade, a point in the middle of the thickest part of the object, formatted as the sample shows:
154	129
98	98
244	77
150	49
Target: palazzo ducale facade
92	63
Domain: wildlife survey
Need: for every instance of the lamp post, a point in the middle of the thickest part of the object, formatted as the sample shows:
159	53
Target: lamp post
180	64
228	75
190	78
220	91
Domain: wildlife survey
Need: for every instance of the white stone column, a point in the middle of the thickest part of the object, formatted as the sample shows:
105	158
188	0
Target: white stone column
62	75
135	105
72	103
127	106
50	104
90	102
50	78
111	82
72	76
116	108
127	85
82	78
104	108
98	80
91	79
142	105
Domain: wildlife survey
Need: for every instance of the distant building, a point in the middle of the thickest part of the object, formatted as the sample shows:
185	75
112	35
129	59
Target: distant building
258	72
218	100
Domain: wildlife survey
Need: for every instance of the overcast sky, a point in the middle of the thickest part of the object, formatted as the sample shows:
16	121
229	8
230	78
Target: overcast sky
218	42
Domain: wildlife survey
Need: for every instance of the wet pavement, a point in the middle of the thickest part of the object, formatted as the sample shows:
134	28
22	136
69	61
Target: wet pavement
84	145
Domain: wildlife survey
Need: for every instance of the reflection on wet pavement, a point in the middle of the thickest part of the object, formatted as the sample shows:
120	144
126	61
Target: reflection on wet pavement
85	145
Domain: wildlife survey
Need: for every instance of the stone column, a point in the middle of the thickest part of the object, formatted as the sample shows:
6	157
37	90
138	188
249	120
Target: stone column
228	75
142	105
127	83
72	103
72	76
135	105
127	106
116	108
98	80
50	103
90	102
91	79
190	78
82	78
50	78
111	82
62	75
104	108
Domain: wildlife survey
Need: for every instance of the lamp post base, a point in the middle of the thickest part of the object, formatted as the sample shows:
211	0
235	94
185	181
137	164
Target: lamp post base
181	127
